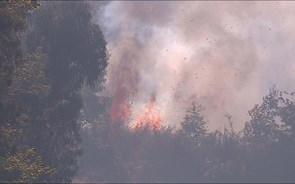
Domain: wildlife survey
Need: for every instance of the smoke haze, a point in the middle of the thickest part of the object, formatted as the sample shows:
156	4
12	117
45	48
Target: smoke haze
224	55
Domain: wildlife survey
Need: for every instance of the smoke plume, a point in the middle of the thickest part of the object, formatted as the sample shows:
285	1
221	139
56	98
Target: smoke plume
224	55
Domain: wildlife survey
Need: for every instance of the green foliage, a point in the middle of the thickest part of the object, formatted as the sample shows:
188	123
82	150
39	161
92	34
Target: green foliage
23	166
76	56
13	23
76	47
21	163
29	78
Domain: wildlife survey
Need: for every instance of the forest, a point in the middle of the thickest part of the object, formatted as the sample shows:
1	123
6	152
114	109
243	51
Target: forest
54	127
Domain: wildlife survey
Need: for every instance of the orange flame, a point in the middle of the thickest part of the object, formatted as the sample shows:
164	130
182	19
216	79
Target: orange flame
120	110
151	116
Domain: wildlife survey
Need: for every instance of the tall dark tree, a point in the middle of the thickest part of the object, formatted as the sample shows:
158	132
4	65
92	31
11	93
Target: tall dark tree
97	161
77	55
18	80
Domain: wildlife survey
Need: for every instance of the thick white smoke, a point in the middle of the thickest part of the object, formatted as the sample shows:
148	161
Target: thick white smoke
225	55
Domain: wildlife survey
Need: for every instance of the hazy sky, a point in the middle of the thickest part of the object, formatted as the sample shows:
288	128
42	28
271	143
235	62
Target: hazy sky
224	55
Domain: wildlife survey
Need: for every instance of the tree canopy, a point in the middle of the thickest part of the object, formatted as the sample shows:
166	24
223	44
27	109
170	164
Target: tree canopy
42	72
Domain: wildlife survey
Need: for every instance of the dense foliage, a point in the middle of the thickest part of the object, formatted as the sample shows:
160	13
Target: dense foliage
45	60
262	152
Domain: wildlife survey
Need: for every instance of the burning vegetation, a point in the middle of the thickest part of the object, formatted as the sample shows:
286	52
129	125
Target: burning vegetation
150	117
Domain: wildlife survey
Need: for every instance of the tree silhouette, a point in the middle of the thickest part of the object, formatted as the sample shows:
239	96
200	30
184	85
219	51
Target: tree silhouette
193	124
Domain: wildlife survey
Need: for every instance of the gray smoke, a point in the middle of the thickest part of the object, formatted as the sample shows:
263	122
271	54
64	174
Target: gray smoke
225	55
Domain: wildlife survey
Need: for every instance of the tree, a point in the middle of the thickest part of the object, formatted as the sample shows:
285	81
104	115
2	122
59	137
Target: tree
18	162
269	139
193	124
97	160
21	163
263	128
13	15
77	55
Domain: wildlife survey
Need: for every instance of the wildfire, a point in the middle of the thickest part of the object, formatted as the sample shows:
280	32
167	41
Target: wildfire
121	110
151	116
